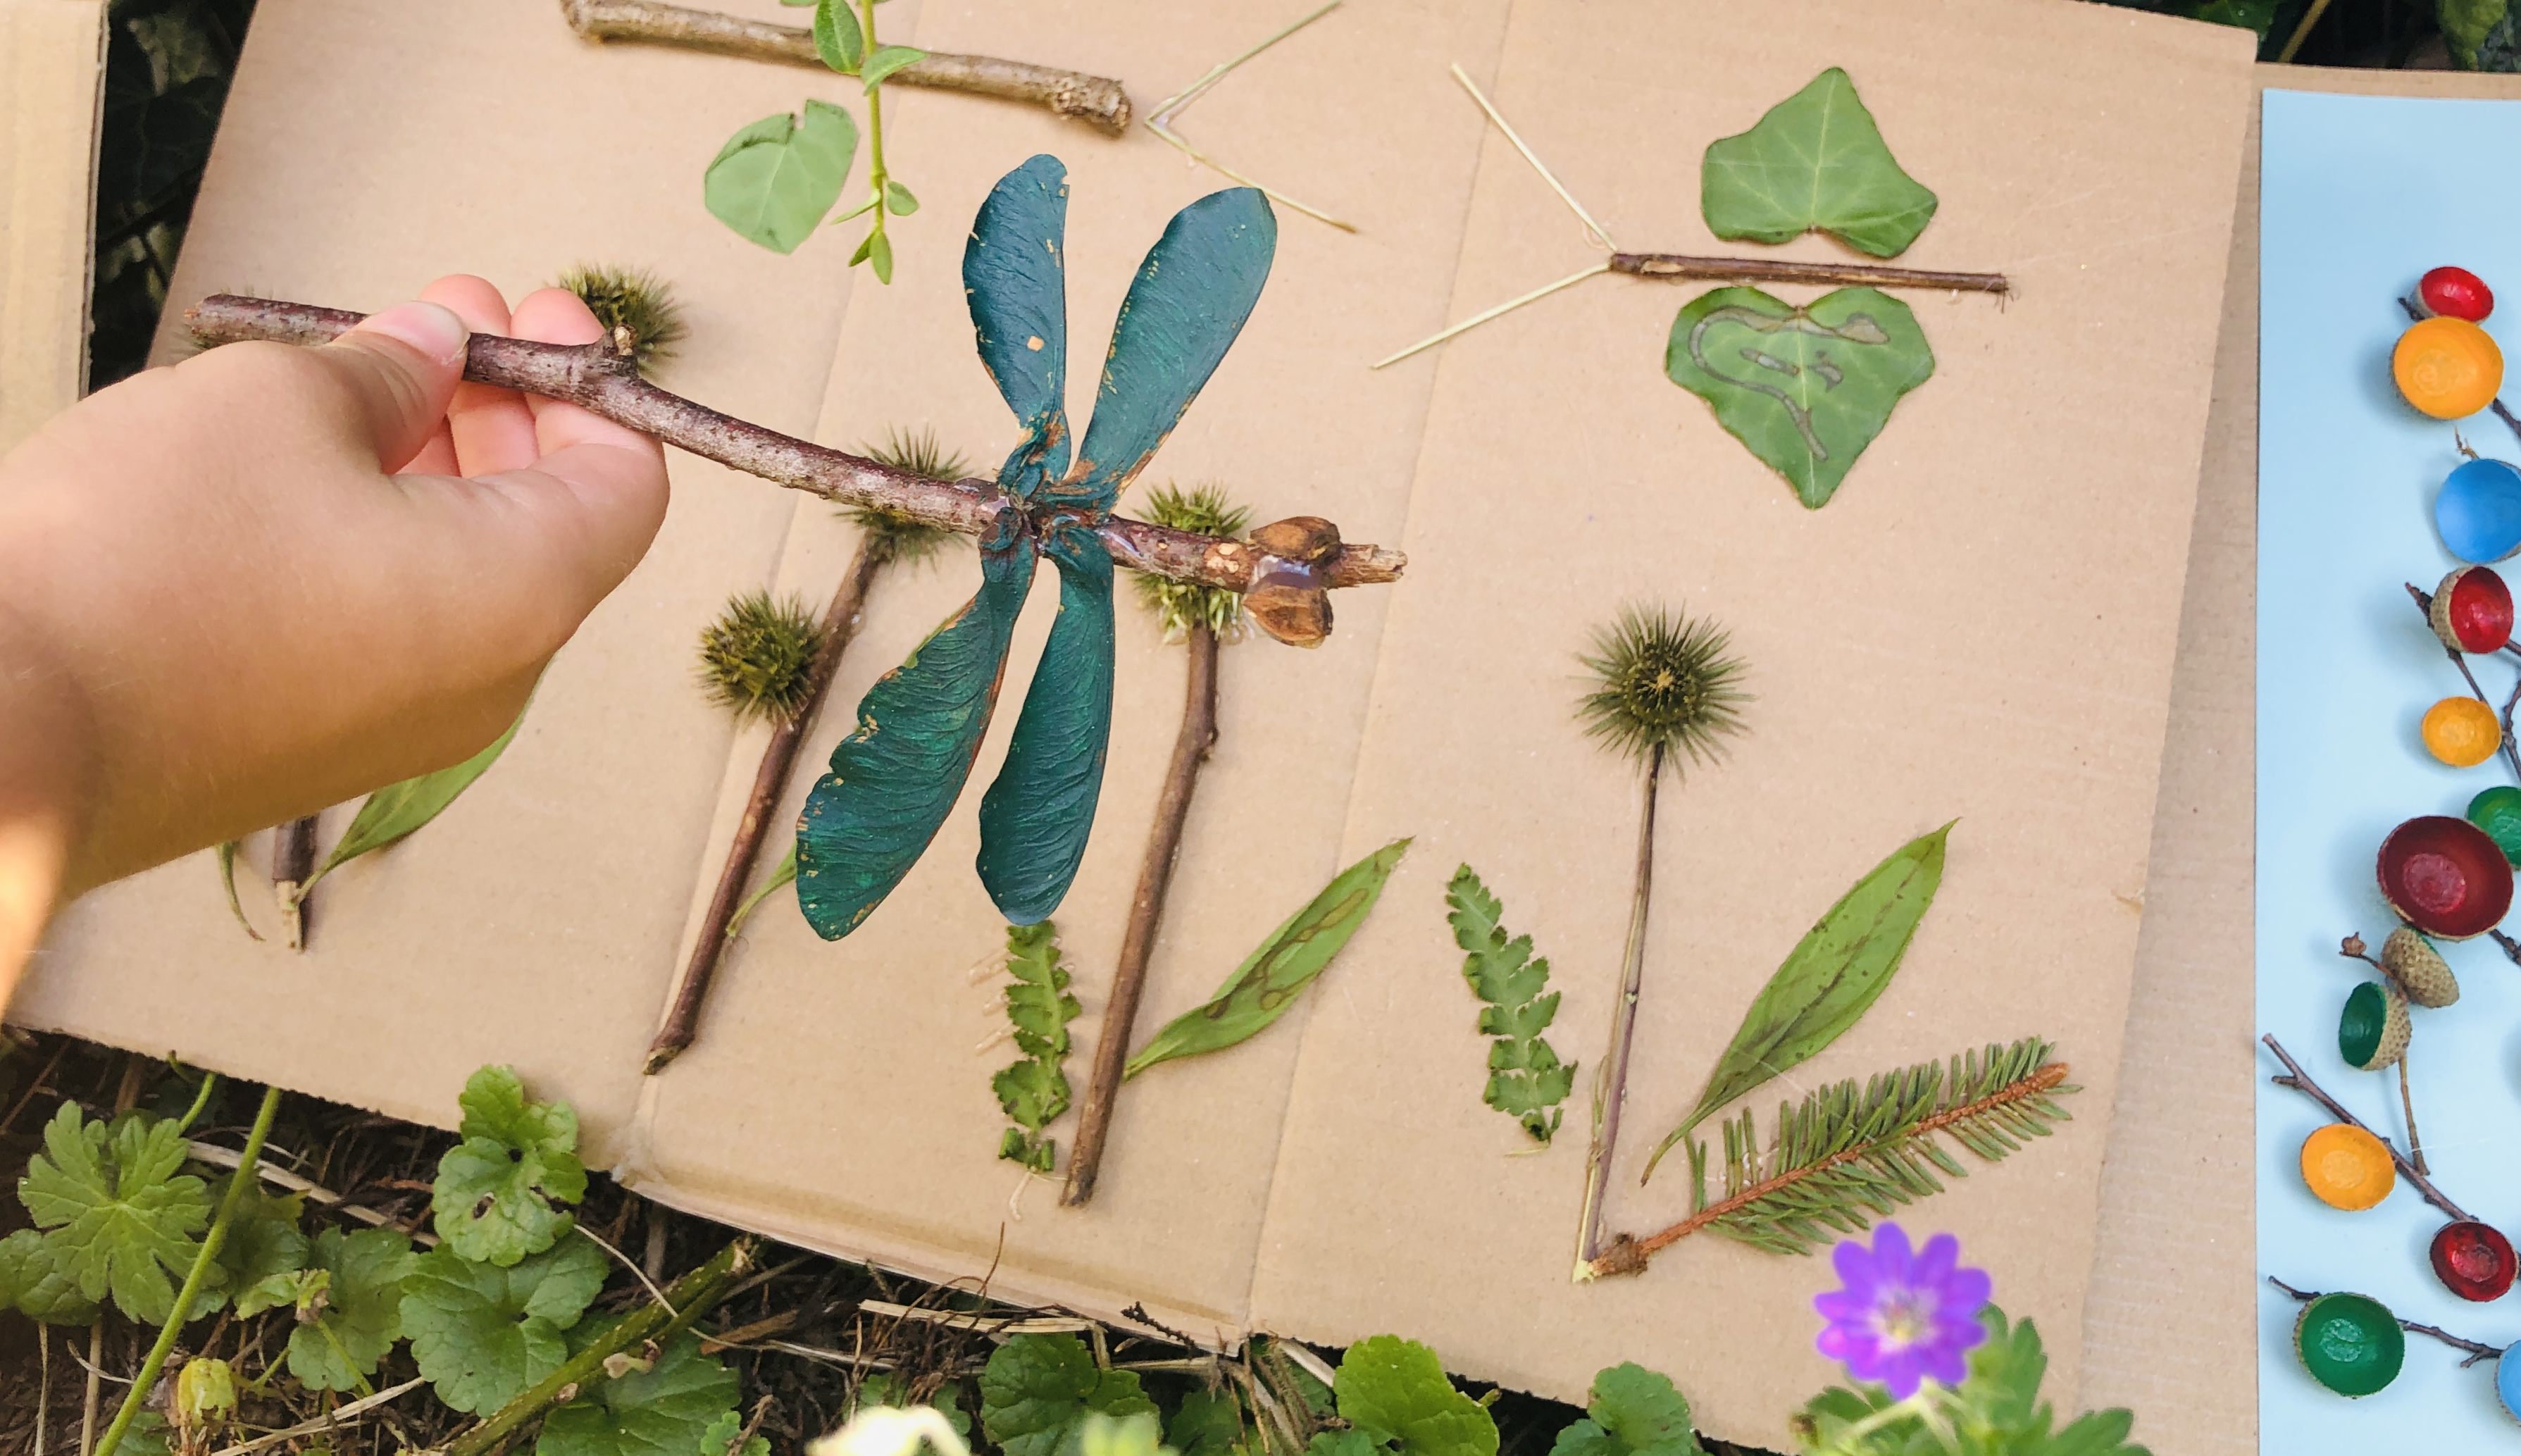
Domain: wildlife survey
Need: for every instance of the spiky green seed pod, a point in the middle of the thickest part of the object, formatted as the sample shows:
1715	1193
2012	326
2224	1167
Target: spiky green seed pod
1665	687
632	298
1178	605
755	657
897	540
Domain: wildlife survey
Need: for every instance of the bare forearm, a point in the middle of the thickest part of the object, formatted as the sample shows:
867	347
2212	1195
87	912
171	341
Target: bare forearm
45	782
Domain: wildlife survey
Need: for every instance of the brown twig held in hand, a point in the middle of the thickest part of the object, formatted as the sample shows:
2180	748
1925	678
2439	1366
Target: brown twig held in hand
1098	101
2300	1081
1287	596
293	865
2476	1351
1679	267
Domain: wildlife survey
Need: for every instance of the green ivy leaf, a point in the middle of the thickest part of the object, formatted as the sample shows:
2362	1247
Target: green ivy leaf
34	1283
119	1214
1395	1392
495	1190
725	1437
482	1334
1274	974
1036	1391
263	1244
885	61
1206	1424
837	37
1805	389
1830	979
339	1339
662	1411
399	810
1633	1412
1525	1078
1816	162
773	181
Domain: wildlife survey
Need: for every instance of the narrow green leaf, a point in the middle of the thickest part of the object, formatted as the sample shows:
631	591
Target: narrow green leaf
880	257
1270	980
1805	389
897	199
781	876
774	180
400	809
837	37
886	60
1830	979
1815	163
227	854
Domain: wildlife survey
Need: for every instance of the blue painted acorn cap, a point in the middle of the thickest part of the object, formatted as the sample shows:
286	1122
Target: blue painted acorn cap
2479	511
2507	1381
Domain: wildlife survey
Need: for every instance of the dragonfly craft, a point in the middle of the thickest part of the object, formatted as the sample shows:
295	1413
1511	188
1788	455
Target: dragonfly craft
894	780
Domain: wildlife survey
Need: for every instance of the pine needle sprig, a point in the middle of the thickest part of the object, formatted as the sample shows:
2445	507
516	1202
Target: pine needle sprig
1849	1153
1034	1092
898	540
1525	1079
755	657
1178	605
632	298
1666	687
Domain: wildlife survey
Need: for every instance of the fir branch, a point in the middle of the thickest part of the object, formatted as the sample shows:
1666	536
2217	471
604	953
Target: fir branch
1035	1090
1525	1078
1846	1151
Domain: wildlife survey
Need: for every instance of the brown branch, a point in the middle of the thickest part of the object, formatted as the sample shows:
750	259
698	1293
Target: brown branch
2476	1351
1678	266
1611	1094
1191	748
602	379
2299	1081
1097	101
840	625
1629	1255
293	865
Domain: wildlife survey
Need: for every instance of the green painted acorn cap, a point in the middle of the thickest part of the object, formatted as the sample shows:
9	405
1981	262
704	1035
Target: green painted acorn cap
2497	811
2372	1032
2350	1343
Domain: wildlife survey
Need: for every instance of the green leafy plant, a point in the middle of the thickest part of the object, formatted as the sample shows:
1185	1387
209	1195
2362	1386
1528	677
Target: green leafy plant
1525	1079
1816	162
482	1334
116	1212
664	1409
727	1436
1995	1412
1632	1411
1037	1391
497	1192
349	1302
1395	1397
1828	981
1033	1091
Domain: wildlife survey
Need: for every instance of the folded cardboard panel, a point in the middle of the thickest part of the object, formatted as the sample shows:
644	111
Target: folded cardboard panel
51	74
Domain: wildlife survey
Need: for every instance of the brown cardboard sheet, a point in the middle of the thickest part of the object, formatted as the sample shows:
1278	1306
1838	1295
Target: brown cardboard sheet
1980	625
367	148
2175	1257
52	73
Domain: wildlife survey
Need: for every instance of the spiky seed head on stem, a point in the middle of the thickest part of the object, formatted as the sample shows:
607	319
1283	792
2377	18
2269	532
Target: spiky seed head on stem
632	298
1178	605
1663	681
898	540
754	657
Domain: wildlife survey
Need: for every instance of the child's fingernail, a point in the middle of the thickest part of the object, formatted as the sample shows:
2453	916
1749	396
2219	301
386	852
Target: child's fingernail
431	327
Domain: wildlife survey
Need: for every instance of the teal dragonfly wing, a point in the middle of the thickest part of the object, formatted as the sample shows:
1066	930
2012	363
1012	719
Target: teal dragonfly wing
1190	299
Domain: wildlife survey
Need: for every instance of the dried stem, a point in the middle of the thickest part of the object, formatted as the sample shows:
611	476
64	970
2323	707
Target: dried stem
293	870
1097	101
1174	104
95	1385
601	378
1191	748
770	781
2476	1351
2299	1081
1679	266
1611	1078
2416	1142
2424	600
1629	1257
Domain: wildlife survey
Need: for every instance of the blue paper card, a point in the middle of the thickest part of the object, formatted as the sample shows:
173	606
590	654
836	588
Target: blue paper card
2359	196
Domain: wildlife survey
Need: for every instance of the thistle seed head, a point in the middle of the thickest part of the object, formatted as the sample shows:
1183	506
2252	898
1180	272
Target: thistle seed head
631	299
895	539
755	657
1180	605
1663	682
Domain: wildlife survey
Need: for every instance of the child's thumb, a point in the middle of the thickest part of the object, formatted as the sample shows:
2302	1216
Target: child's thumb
403	365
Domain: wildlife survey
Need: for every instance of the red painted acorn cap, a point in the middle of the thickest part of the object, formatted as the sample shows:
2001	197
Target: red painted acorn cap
2474	1261
2472	611
2445	877
2457	292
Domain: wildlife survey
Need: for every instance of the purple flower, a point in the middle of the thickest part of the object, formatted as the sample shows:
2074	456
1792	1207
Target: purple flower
1904	1315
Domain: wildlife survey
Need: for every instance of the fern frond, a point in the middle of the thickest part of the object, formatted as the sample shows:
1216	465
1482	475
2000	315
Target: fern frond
1849	1153
1525	1079
1034	1091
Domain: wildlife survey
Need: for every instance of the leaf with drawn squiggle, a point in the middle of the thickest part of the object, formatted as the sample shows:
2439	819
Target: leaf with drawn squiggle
1805	389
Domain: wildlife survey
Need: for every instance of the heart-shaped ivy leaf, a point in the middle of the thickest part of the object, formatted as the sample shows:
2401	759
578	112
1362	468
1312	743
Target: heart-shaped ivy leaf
773	181
1815	163
1805	389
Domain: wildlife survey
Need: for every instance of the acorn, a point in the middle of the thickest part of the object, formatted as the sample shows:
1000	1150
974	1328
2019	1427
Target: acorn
2372	1032
2350	1343
2418	969
2472	611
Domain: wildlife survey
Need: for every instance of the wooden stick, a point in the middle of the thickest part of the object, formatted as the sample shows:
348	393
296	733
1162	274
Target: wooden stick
1611	1094
2299	1081
292	864
1679	267
2476	1351
1191	748
770	781
601	378
1097	101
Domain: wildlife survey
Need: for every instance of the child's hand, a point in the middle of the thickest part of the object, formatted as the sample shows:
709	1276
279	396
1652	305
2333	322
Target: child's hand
218	611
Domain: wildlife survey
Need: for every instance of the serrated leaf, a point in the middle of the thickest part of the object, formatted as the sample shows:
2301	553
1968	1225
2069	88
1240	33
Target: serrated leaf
1037	1389
494	1195
725	1436
361	1315
1816	162
774	180
1525	1079
1633	1411
1206	1424
1805	389
117	1213
662	1411
1276	972
263	1245
36	1286
885	61
482	1334
897	199
399	810
1395	1392
1828	981
838	38
1040	811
